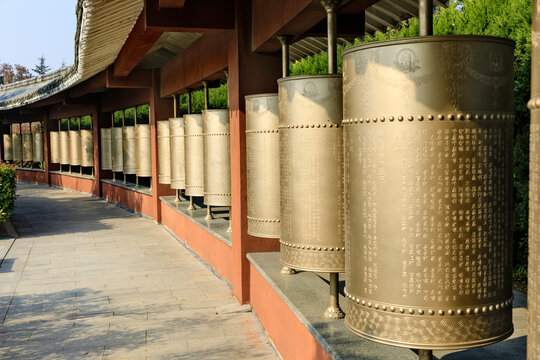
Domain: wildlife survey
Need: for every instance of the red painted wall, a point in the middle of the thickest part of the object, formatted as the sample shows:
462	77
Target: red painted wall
33	176
211	249
139	202
73	183
290	337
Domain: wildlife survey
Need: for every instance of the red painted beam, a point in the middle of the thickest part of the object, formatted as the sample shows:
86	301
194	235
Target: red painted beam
196	16
293	17
140	40
203	60
171	3
140	78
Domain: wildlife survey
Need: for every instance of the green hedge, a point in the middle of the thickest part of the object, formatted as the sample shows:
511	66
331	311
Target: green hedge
7	190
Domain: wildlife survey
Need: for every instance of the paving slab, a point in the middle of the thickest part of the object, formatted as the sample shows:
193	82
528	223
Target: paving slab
89	280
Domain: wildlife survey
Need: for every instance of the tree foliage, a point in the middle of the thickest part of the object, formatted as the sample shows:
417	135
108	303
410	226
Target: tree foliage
41	68
217	96
14	73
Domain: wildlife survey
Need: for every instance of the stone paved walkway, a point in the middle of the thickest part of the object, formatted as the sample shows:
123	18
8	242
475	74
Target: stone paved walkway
87	280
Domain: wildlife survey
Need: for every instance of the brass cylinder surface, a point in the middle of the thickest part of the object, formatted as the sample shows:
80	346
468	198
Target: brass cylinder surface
27	147
106	148
54	137
75	148
87	148
178	172
262	153
64	147
194	153
117	149
311	171
8	147
144	158
164	152
129	150
428	187
37	146
217	159
533	295
17	147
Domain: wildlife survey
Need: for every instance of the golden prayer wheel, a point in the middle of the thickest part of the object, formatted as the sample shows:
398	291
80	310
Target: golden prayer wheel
17	147
27	147
262	152
217	159
194	152
75	147
164	152
106	149
64	147
38	146
117	149
178	173
54	137
144	158
533	296
8	147
87	148
311	171
129	150
428	182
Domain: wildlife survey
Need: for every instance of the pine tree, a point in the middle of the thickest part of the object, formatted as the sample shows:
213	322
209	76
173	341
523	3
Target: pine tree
41	68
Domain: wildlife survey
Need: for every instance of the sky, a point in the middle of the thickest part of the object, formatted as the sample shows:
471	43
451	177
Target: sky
33	28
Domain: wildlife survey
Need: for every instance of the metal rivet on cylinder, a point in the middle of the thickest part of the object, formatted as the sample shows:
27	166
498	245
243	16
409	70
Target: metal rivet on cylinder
421	312
364	302
420	118
431	117
484	309
441	312
401	310
411	311
431	312
392	309
400	118
369	304
477	310
391	118
441	117
376	306
460	312
491	307
450	312
384	307
450	117
468	311
411	118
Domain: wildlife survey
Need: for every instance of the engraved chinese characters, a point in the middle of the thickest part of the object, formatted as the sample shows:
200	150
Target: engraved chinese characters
8	147
262	152
37	137
310	135
164	152
533	298
106	148
74	147
193	138
428	146
64	147
17	146
217	160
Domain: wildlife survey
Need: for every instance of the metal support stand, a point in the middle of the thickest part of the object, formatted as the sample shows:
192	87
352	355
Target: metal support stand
425	354
177	196
334	311
191	207
209	213
113	176
136	181
287	271
206	95
125	181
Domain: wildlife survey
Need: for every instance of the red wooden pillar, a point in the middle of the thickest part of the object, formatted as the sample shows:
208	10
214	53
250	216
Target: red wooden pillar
46	147
249	73
160	109
96	117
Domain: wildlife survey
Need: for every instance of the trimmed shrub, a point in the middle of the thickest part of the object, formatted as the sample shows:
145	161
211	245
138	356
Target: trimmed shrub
8	189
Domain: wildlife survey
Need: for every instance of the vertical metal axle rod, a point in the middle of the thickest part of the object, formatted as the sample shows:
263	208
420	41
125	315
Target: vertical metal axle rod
425	354
230	219
191	207
209	212
206	95
285	41
425	17
177	196
334	311
331	16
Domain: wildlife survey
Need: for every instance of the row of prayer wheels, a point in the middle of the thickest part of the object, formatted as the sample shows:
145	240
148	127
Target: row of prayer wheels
127	149
194	154
23	147
73	147
398	173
